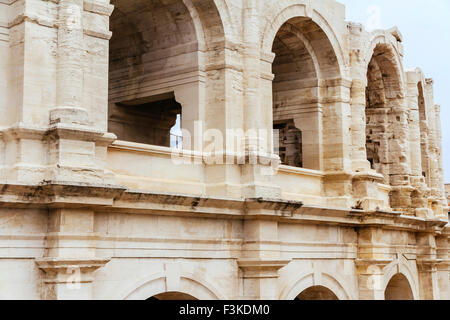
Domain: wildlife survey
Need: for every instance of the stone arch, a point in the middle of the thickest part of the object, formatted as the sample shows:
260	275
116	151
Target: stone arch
158	68
388	40
161	283
283	11
398	288
401	266
317	293
307	61
386	117
214	18
312	279
388	59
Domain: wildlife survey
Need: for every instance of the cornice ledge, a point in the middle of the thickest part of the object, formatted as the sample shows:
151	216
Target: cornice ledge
372	262
261	268
49	192
62	270
432	264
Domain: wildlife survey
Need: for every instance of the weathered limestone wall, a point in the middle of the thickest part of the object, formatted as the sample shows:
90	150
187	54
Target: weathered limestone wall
94	205
447	193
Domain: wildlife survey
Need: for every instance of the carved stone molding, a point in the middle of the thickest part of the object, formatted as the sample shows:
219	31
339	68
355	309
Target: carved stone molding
261	268
65	270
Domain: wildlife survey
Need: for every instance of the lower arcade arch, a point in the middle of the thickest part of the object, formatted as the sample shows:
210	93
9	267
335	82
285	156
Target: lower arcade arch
398	288
317	293
170	296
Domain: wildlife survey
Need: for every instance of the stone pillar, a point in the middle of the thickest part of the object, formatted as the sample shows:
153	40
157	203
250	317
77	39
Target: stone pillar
399	157
440	192
358	99
69	279
69	70
371	261
434	149
359	155
260	258
370	278
442	245
58	101
337	141
77	140
260	278
427	267
70	259
419	200
257	171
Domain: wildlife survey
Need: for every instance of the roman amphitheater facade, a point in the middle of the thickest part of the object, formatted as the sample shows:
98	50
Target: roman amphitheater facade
344	200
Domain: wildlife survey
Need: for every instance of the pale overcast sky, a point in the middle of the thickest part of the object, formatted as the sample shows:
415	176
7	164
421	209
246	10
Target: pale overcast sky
425	25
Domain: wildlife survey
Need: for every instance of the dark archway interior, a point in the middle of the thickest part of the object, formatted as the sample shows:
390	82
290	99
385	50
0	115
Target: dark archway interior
171	296
152	42
317	293
398	288
383	95
303	55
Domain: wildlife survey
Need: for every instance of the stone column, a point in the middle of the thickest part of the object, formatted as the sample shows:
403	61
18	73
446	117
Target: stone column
337	141
70	259
419	200
370	278
257	172
69	279
359	156
358	98
77	140
260	278
399	156
442	245
440	192
434	148
260	258
427	266
371	261
69	70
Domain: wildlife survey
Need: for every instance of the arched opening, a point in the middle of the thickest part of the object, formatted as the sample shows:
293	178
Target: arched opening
303	57
172	296
383	97
398	288
317	293
154	77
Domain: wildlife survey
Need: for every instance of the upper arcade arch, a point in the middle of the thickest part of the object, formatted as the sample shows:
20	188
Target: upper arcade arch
159	55
307	61
386	114
330	56
387	40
